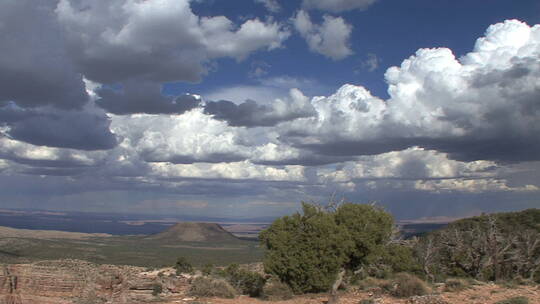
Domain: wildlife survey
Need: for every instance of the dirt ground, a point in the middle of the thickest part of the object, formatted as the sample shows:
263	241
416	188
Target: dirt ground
482	294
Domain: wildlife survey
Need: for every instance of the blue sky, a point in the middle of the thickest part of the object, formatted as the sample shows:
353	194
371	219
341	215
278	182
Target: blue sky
392	30
246	108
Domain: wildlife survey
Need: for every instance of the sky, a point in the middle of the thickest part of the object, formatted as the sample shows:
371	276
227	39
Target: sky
246	108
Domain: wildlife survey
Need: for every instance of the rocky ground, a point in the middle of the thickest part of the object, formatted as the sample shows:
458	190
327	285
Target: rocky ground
484	294
78	282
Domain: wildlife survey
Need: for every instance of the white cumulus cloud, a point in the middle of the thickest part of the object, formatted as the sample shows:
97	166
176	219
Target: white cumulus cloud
482	106
160	40
331	38
187	138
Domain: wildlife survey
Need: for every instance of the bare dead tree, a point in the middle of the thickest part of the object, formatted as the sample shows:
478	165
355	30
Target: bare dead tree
527	252
499	246
427	257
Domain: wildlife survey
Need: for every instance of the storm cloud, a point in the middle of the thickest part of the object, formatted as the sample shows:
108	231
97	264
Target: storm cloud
74	129
143	97
35	69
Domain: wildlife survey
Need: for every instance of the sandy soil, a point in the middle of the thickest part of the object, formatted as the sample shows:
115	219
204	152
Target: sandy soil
484	294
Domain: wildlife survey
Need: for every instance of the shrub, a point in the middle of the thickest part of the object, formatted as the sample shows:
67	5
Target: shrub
514	300
231	269
207	269
246	282
452	285
274	290
379	271
157	289
399	258
308	250
211	287
183	266
405	285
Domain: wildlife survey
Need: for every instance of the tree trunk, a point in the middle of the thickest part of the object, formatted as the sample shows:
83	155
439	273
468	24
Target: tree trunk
334	298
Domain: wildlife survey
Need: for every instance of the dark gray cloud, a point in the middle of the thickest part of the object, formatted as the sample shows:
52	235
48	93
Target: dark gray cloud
253	114
34	67
75	130
349	148
83	130
52	171
37	76
64	161
11	113
305	158
505	148
144	97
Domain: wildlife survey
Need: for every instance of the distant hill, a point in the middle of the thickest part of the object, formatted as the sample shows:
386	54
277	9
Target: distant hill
194	232
507	222
200	243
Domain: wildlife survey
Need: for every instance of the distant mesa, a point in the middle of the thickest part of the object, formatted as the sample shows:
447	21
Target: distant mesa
194	232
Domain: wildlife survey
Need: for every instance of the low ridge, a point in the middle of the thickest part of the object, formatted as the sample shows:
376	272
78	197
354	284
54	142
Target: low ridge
195	232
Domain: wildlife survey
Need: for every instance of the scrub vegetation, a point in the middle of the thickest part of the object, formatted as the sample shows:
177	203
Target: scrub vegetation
327	248
342	246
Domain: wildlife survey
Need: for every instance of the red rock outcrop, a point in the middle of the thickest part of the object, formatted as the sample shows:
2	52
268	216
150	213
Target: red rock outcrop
78	282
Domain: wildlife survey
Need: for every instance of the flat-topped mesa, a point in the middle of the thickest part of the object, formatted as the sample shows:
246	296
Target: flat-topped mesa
194	232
